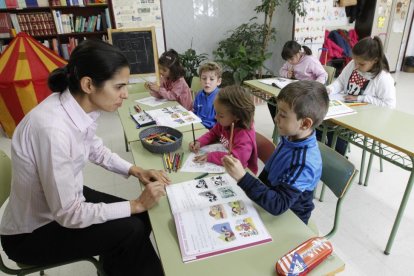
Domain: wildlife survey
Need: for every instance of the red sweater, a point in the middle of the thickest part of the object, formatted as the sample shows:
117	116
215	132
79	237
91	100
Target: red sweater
244	145
175	91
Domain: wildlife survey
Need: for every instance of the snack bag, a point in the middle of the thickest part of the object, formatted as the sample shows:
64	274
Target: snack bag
305	257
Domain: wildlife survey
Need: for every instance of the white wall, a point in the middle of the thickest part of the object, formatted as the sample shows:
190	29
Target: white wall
207	22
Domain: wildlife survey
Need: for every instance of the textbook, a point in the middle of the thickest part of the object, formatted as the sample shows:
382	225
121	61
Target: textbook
277	82
173	116
338	109
143	119
214	216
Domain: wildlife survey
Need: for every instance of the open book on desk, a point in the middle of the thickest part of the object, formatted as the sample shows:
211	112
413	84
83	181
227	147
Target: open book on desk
338	109
277	82
143	119
174	116
214	216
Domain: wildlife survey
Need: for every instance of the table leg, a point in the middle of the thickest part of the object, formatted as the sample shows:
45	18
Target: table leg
371	157
364	153
323	140
400	210
126	143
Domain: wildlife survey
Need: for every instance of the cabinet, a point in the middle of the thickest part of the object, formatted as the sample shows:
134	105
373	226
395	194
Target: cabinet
58	24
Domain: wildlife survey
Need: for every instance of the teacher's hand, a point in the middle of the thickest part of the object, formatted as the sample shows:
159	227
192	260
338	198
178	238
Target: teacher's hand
147	176
149	197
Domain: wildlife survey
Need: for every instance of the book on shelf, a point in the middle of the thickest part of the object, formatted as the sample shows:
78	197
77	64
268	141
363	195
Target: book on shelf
338	109
214	216
277	82
5	25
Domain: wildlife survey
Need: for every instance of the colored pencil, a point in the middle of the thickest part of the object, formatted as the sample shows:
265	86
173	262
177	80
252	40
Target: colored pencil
192	127
231	138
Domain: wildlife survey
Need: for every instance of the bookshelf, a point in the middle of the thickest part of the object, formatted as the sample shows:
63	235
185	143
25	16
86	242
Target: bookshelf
58	24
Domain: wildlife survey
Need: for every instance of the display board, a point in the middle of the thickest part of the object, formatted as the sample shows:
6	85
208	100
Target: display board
140	14
139	45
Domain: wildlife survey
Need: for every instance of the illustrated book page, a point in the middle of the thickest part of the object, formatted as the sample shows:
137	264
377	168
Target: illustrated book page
214	216
143	119
191	166
338	109
174	116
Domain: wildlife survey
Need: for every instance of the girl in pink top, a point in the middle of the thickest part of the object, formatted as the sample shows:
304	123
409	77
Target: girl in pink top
301	65
173	86
233	104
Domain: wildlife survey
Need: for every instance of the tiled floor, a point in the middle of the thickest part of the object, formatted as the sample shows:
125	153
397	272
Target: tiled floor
367	215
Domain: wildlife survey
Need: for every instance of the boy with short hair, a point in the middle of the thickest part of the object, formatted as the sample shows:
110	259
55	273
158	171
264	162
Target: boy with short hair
210	77
294	169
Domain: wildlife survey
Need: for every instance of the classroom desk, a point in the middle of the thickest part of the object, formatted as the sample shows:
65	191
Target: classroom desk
395	138
287	231
129	126
391	140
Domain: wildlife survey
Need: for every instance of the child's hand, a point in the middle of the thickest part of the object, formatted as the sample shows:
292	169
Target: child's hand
153	86
290	74
194	147
200	158
233	167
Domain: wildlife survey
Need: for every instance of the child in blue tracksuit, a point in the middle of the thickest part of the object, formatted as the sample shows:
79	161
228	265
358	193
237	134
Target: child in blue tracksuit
294	169
210	77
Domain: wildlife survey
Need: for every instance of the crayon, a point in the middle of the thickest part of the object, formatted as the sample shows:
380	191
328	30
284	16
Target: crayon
201	176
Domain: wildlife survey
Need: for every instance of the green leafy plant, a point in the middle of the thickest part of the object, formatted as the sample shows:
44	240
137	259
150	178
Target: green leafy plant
245	51
191	61
239	53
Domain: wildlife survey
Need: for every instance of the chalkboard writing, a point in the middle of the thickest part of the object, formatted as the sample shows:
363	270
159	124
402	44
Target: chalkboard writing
139	47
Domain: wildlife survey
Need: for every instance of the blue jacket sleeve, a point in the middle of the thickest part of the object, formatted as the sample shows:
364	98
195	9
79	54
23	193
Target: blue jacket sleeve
275	200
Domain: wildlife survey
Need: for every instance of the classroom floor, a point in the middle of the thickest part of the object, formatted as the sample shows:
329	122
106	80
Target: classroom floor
367	215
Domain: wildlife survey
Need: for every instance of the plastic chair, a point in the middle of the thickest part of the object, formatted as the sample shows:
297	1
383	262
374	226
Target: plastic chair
337	173
265	147
195	85
5	185
331	73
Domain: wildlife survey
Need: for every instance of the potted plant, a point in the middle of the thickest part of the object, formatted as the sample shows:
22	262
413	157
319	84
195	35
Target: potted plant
245	51
191	61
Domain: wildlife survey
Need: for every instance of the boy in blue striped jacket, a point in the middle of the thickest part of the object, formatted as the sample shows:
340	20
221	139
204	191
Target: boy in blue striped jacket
295	167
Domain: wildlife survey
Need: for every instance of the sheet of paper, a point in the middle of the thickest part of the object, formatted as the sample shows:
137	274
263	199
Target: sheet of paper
151	101
191	166
279	82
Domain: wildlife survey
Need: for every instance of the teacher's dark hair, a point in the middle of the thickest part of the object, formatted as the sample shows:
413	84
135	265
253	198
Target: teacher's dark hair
91	58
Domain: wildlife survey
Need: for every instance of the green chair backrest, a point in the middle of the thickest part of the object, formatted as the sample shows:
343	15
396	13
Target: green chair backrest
337	171
337	174
5	177
331	73
195	85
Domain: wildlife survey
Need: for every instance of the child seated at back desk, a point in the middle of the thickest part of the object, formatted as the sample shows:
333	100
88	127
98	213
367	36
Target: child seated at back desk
366	79
210	77
300	65
233	104
294	169
173	86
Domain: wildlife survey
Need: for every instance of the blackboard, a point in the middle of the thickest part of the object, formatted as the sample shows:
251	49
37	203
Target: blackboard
140	48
